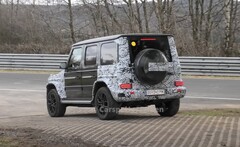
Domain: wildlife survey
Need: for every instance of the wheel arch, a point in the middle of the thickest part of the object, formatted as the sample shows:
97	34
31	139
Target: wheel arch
97	85
50	86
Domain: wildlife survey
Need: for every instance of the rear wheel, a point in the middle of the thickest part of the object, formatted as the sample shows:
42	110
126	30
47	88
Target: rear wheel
106	107
169	108
54	106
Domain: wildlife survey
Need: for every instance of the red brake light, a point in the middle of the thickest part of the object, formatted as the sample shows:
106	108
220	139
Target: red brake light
179	83
147	39
125	86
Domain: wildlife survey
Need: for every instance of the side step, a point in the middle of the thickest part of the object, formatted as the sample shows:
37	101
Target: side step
75	102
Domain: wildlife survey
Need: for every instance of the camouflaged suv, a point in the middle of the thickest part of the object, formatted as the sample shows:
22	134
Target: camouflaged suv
117	71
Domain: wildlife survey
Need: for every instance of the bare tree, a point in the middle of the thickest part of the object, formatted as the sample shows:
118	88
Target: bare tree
208	23
138	17
230	12
163	11
41	28
201	14
71	21
196	20
131	16
145	13
112	15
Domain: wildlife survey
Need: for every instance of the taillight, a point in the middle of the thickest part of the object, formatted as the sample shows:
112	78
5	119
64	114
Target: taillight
126	86
179	83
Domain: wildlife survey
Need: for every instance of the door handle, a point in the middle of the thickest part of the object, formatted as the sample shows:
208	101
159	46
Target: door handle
87	77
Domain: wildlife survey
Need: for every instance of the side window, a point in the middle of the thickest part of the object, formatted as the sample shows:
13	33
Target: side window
91	55
75	59
108	53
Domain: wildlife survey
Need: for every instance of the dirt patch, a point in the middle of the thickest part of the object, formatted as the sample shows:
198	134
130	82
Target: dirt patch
213	112
35	138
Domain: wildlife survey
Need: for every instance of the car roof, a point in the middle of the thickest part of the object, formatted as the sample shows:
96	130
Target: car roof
112	37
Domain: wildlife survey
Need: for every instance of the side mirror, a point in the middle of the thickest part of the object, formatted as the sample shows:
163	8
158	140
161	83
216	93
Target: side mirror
63	65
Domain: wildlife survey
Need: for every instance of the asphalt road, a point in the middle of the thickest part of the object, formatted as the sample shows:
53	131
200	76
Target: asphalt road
24	94
196	88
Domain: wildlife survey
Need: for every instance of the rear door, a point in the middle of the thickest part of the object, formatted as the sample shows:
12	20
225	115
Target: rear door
73	75
89	72
151	51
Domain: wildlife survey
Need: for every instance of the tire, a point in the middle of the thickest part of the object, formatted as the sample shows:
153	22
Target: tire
141	66
54	106
106	107
169	108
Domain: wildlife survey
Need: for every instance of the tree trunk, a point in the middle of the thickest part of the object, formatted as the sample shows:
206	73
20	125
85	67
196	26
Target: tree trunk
170	22
208	24
159	10
138	18
145	15
71	21
227	14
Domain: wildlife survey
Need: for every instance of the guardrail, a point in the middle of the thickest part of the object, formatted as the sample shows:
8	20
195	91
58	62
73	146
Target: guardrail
227	66
31	61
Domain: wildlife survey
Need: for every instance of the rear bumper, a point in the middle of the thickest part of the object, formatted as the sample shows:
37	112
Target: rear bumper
140	95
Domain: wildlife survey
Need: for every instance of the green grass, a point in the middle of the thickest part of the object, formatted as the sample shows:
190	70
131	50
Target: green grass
213	112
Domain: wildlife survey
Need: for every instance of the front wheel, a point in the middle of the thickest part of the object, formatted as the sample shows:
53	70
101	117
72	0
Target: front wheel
106	107
169	108
54	106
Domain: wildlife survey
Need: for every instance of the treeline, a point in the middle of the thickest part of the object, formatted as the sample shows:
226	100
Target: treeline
200	27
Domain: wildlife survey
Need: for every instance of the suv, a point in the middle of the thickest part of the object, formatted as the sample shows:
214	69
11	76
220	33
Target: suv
118	71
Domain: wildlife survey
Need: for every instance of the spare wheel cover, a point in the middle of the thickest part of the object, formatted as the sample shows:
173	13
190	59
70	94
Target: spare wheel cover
141	65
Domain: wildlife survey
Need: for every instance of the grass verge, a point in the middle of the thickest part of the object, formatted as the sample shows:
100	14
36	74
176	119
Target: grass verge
211	77
8	142
213	112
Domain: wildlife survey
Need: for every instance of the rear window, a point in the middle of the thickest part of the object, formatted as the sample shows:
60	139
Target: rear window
139	43
108	53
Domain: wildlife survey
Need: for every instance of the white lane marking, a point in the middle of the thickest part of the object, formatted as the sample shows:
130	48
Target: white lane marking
26	90
212	98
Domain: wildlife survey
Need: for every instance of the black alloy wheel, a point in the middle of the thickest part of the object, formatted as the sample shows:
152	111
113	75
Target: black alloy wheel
54	106
106	107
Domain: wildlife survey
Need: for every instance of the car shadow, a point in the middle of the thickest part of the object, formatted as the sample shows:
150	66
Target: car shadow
119	117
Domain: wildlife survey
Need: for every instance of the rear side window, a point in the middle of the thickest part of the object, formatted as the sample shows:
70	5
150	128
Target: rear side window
109	53
155	42
91	55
